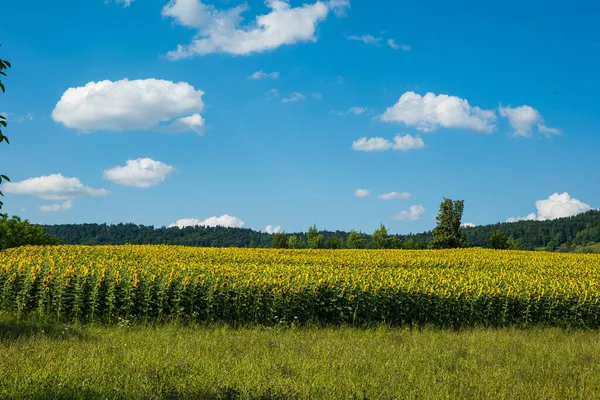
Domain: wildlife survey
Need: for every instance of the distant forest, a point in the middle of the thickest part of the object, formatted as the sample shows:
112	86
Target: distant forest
558	234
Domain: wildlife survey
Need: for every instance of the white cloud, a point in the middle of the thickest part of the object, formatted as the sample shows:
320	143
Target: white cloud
273	93
415	212
529	217
317	95
223	31
367	39
403	143
142	173
432	111
272	229
394	196
262	75
57	207
126	3
392	43
555	206
295	96
53	187
356	110
362	193
127	105
468	225
371	144
524	118
224	220
22	209
546	130
194	123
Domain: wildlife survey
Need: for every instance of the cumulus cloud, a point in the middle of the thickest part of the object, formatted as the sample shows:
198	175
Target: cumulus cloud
194	123
57	207
262	75
523	119
223	31
129	105
142	173
414	212
392	43
272	229
224	220
295	96
367	39
126	3
468	225
403	143
53	187
362	193
432	111
394	196
528	217
555	206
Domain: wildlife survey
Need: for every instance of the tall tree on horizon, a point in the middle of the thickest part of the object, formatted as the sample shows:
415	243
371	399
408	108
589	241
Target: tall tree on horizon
448	232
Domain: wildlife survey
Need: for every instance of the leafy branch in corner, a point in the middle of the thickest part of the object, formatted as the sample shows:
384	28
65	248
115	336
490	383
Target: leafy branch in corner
3	65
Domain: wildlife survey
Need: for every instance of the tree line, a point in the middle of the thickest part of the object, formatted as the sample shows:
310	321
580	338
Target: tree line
556	235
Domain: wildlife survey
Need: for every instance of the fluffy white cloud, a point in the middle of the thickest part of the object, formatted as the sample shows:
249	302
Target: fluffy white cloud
272	229
262	75
128	105
432	111
223	31
524	118
415	212
53	187
126	3
295	96
403	143
57	207
362	193
367	39
224	220
392	43
394	196
142	172
468	225
528	217
193	122
555	206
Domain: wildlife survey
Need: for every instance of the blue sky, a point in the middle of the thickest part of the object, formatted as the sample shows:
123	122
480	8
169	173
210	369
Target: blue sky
276	113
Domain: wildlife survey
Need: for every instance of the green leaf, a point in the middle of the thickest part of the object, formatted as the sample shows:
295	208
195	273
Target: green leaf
6	178
2	73
3	123
7	63
2	87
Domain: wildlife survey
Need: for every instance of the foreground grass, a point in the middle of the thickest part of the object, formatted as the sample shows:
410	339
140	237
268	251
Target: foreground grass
192	361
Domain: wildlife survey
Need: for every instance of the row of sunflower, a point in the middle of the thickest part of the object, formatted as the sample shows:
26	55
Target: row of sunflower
448	288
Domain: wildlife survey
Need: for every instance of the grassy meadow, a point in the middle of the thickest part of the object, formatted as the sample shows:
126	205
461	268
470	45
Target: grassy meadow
192	361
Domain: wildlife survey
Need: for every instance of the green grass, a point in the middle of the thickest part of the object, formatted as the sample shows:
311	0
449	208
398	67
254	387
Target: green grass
193	361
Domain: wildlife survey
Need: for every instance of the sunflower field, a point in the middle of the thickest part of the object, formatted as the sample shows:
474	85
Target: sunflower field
446	288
